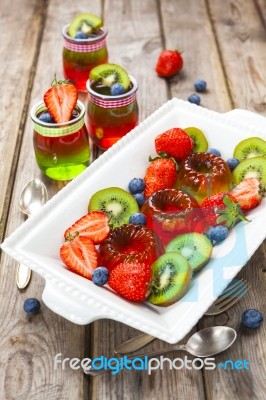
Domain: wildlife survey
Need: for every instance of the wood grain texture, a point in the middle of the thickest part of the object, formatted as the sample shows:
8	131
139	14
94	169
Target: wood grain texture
261	4
17	67
187	27
134	41
241	37
28	345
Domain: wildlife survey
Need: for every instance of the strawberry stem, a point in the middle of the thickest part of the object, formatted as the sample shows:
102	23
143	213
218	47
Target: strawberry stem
55	82
231	214
71	236
162	155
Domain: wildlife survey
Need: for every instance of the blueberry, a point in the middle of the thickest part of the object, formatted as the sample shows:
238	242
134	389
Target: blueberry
136	185
46	117
215	152
232	163
31	306
194	98
74	114
200	85
117	89
138	219
139	197
209	237
100	276
219	233
252	319
81	35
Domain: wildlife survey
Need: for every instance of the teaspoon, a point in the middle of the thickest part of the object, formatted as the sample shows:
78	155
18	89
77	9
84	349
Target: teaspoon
32	197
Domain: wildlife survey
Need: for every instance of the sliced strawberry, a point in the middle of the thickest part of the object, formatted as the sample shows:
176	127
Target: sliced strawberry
222	208
247	193
61	100
131	280
79	254
93	225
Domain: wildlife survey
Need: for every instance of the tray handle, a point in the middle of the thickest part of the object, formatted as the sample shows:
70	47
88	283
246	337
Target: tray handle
80	312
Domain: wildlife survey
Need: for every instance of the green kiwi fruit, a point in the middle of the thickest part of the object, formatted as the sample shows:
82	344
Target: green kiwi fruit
250	148
108	74
200	142
195	247
251	168
86	23
118	205
171	275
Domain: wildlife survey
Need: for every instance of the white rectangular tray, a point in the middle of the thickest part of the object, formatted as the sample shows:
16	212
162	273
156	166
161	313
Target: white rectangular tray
36	242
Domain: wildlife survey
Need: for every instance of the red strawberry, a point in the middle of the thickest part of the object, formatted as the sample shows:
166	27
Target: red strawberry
222	209
131	280
160	174
247	193
93	225
79	255
61	100
169	62
175	143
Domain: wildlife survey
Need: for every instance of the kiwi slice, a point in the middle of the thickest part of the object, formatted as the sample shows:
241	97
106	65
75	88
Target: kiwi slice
108	74
252	168
171	275
118	204
200	142
86	23
195	247
250	148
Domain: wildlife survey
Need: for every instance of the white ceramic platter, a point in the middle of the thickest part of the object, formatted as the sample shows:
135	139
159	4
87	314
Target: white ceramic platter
36	242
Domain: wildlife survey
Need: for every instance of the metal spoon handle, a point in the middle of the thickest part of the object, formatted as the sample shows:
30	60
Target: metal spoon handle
134	344
23	276
95	372
35	195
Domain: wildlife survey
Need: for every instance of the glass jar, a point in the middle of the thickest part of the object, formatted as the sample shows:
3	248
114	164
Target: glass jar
62	150
111	117
81	55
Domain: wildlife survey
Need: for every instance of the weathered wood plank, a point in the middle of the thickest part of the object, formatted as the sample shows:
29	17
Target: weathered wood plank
261	4
241	37
28	345
187	27
17	67
135	42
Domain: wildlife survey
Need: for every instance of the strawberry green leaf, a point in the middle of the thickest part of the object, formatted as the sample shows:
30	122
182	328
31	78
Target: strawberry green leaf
228	202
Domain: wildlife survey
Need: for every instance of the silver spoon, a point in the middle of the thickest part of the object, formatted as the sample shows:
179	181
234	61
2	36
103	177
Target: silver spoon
205	343
32	197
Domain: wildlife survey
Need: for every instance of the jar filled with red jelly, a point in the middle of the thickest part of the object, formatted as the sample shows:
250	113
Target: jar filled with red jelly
111	117
81	55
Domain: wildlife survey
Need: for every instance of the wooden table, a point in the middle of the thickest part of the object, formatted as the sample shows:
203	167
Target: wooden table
223	42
